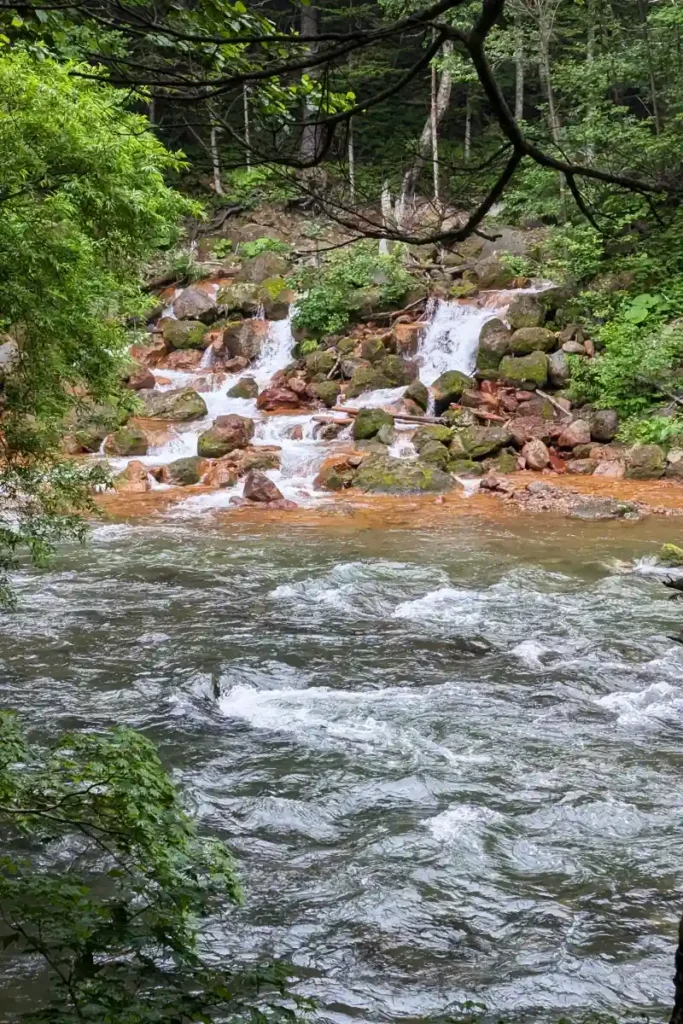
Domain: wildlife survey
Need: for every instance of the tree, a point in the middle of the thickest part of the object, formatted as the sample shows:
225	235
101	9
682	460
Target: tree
112	884
83	203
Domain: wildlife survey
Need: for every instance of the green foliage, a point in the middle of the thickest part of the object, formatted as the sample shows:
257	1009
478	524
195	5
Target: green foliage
108	880
221	248
520	266
350	281
307	346
251	188
664	430
259	245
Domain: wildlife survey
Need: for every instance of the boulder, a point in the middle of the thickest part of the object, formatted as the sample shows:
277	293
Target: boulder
382	474
492	273
674	464
278	397
257	487
604	424
334	474
536	455
179	405
184	333
246	387
574	348
466	468
531	370
239	297
603	508
185	360
525	311
417	393
372	350
185	472
139	378
582	467
448	388
531	339
435	454
226	434
220	474
366	378
576	432
327	391
126	441
321	361
431	432
134	479
368	423
259	268
530	428
274	298
345	346
150	354
478	442
195	304
645	462
611	469
245	338
558	369
505	462
671	555
494	343
463	289
406	338
397	371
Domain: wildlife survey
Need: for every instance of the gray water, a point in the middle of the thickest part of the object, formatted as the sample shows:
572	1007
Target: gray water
448	762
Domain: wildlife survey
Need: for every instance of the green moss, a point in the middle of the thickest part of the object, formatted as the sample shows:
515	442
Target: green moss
126	441
522	370
184	333
185	472
382	474
531	339
368	423
328	392
671	555
246	387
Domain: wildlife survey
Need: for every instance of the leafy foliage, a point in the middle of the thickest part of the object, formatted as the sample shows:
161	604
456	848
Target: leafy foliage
259	245
113	885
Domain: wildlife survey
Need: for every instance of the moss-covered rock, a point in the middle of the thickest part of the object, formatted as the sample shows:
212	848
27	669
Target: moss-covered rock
185	472
382	474
227	434
366	378
671	555
531	339
373	350
327	391
418	393
246	387
396	371
274	296
645	462
478	442
184	333
239	297
494	343
368	422
179	405
466	467
126	441
436	454
491	272
448	388
520	371
431	432
323	360
525	311
558	369
345	346
463	289
504	462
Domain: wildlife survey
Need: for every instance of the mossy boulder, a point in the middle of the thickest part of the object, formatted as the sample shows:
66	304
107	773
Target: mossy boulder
466	467
494	343
558	369
185	472
431	432
184	333
227	434
373	350
397	371
261	268
435	454
366	378
671	555
275	297
239	297
492	273
531	339
179	405
463	289
478	442
327	391
418	393
368	423
323	360
645	462
525	311
195	304
504	462
126	441
345	346
449	388
382	474
246	387
525	371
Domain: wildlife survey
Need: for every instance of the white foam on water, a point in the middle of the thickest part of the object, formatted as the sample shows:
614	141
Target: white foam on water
375	399
451	339
276	353
470	485
529	653
460	819
447	604
659	702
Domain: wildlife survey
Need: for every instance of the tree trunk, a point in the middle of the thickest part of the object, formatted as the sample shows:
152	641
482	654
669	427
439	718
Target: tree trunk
468	127
590	59
387	214
247	132
519	68
309	148
351	160
215	162
650	68
546	78
434	128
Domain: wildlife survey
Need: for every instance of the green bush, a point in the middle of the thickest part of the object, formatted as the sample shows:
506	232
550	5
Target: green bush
259	245
664	430
251	188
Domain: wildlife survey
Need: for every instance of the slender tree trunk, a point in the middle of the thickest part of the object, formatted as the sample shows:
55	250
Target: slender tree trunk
434	127
151	111
247	131
650	68
468	127
351	160
546	78
590	60
519	68
215	161
387	214
310	137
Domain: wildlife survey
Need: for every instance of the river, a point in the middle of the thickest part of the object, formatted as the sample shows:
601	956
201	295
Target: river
448	761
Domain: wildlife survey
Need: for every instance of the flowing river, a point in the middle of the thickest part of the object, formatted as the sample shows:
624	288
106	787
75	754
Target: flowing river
447	760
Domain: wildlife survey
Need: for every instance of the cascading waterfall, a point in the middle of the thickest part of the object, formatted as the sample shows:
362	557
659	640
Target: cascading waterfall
451	339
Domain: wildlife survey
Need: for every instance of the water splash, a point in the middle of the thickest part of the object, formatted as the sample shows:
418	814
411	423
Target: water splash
451	339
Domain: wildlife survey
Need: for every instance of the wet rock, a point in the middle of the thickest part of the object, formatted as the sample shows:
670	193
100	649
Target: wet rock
531	370
373	350
529	428
406	338
671	555
262	267
126	441
226	434
239	297
133	480
448	388
603	508
492	273
431	432
382	474
235	365
323	361
386	435
536	455
505	462
261	457
368	422
335	473
558	369
275	298
574	348
275	398
149	355
327	391
604	424
525	311
179	405
139	378
397	371
612	470
257	487
576	432
466	468
582	467
220	474
494	343
531	339
246	387
185	360
366	378
185	472
195	304
245	338
417	393
478	442
184	333
645	462
435	454
463	290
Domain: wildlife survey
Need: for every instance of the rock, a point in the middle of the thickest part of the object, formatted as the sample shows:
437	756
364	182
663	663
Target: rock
126	441
9	354
397	371
606	452
478	442
277	397
149	355
386	435
179	405
448	388
185	360
220	474
184	333
603	508
418	393
195	304
531	339
245	459
612	470
558	369
645	462
345	346
604	424
674	464
245	338
257	487
259	268
382	474
226	434
466	468
406	338
536	406
321	361
529	370
429	433
275	298
139	378
536	455
435	454
368	422
366	378
185	472
327	391
334	474
525	311
574	348
494	343
246	387
492	273
530	428
671	555
582	467
239	297
576	432
505	462
134	479
463	290
373	350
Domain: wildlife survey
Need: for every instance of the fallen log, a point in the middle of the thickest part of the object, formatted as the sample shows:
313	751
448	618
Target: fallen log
554	403
396	415
331	419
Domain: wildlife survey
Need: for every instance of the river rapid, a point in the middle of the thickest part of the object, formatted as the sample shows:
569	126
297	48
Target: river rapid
448	761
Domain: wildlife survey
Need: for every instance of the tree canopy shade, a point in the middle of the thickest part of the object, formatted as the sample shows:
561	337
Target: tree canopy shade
113	885
83	204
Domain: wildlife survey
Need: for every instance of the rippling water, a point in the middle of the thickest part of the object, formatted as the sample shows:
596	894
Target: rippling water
448	762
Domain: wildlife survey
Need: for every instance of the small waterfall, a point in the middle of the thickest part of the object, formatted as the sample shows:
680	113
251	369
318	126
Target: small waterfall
277	351
451	339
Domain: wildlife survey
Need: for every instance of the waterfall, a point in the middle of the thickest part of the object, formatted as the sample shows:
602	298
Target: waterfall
277	351
451	339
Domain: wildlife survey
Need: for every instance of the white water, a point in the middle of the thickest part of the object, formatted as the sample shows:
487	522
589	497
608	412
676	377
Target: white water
451	339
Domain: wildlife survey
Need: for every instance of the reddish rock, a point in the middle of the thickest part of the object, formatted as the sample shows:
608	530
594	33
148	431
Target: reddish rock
508	402
278	398
220	474
574	433
297	433
406	337
613	470
140	379
589	346
226	434
133	480
257	487
150	354
582	467
536	455
524	396
574	348
298	385
530	428
245	338
235	365
184	359
557	464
